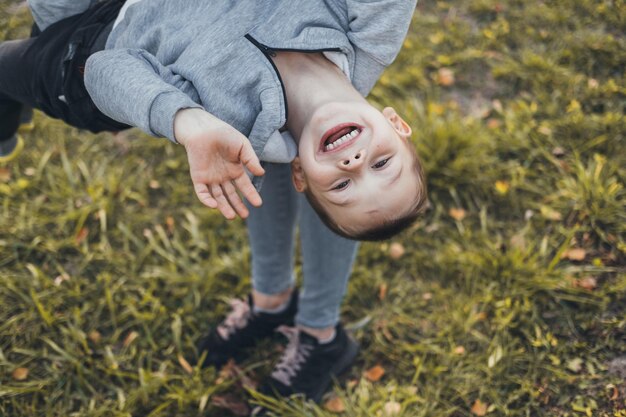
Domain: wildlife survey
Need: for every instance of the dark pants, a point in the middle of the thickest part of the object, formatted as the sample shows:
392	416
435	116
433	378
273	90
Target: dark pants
46	71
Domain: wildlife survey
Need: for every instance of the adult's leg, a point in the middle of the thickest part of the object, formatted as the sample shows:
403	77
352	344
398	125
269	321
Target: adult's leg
16	75
271	230
327	263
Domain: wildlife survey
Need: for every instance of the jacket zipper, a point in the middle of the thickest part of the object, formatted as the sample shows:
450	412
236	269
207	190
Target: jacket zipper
271	52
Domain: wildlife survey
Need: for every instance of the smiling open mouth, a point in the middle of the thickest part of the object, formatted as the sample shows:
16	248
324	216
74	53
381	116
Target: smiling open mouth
338	136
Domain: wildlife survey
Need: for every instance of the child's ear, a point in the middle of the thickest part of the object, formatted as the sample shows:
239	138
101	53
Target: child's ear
401	127
297	175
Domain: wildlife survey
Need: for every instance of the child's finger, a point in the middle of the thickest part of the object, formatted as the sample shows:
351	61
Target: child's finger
248	158
222	203
234	199
244	185
203	194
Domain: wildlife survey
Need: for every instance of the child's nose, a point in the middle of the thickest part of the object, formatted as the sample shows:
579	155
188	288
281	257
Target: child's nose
354	161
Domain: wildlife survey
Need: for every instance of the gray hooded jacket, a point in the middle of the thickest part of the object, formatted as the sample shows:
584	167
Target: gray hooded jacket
166	55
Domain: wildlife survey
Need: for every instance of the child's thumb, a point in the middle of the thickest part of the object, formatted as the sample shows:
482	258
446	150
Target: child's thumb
250	160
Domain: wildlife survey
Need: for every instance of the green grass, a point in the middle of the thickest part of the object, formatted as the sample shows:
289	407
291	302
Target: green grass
110	269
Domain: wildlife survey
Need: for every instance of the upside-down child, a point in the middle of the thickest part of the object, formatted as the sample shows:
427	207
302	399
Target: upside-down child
237	83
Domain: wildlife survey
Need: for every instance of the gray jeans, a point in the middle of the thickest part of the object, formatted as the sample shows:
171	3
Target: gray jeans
326	258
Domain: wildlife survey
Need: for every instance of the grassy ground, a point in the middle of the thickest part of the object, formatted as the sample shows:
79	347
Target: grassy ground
508	299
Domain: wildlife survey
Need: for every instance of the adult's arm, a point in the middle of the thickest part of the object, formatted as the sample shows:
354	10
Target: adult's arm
377	29
47	12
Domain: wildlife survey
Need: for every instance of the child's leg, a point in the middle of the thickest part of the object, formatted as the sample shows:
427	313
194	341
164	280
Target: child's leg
271	230
327	263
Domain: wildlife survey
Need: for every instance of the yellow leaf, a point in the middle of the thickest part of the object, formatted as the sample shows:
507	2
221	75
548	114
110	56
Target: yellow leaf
479	408
573	106
335	405
20	374
457	214
375	373
502	187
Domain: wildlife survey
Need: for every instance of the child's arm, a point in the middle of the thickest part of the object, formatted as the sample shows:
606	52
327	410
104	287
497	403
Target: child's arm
47	12
132	87
217	154
377	30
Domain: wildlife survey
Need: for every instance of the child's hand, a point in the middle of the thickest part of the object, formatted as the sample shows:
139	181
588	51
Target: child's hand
217	154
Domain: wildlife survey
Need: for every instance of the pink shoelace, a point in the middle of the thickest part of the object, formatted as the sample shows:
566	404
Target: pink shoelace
237	319
294	356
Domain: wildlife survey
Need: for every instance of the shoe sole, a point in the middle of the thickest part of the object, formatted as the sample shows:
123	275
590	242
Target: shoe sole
343	364
14	153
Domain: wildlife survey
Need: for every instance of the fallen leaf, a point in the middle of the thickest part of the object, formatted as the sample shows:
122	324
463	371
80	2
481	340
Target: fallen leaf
574	254
493	123
481	316
229	402
396	250
5	175
61	279
335	405
502	187
575	365
130	338
587	283
550	213
427	296
592	83
169	222
183	362
95	336
392	408
154	184
382	291
30	171
375	373
479	408
20	374
459	350
558	152
82	235
545	130
445	77
457	214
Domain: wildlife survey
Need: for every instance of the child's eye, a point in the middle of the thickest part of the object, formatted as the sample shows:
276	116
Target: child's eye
381	164
342	185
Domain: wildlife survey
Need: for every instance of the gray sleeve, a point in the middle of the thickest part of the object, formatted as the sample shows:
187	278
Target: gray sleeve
47	12
377	29
132	87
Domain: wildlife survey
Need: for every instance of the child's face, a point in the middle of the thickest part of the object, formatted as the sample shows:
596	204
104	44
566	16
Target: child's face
356	162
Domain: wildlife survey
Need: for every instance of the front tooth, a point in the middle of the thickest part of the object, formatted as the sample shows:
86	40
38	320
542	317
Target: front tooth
354	133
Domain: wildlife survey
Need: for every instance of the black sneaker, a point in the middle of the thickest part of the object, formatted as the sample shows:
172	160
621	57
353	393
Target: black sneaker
10	148
308	367
243	328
